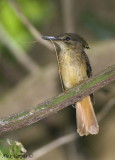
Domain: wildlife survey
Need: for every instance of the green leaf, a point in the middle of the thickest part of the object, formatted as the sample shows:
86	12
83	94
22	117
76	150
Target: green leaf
13	150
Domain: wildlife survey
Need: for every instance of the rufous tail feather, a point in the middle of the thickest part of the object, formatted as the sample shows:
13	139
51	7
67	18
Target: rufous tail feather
86	119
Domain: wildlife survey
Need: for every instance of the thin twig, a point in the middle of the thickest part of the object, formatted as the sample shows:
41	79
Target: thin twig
106	109
20	55
53	145
37	35
59	102
69	137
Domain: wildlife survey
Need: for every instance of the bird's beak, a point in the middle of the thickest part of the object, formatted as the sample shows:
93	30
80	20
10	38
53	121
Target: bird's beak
51	38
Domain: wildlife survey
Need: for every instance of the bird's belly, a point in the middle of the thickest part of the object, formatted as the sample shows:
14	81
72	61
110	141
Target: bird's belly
72	74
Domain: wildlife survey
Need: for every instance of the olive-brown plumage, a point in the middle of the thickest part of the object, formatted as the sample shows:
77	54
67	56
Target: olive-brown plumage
74	68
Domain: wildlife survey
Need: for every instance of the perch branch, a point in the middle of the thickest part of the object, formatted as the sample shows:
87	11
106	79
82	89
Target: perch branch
59	102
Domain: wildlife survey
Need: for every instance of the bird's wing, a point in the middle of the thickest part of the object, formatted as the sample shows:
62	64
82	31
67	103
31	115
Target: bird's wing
89	72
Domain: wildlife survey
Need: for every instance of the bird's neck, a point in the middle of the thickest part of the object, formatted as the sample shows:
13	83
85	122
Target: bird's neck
71	50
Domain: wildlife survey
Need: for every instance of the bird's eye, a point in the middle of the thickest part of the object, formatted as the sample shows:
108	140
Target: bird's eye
68	38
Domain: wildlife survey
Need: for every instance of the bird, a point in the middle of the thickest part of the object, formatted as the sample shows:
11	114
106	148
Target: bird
75	68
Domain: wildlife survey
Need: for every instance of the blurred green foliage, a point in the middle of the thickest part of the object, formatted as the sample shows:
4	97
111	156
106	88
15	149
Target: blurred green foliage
38	12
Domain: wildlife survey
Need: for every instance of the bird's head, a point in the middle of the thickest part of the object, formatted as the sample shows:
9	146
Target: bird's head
68	40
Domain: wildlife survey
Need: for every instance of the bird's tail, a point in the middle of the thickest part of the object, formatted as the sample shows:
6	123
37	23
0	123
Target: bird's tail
86	119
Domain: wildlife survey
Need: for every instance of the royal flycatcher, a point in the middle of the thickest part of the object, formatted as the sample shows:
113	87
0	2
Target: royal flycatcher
75	68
